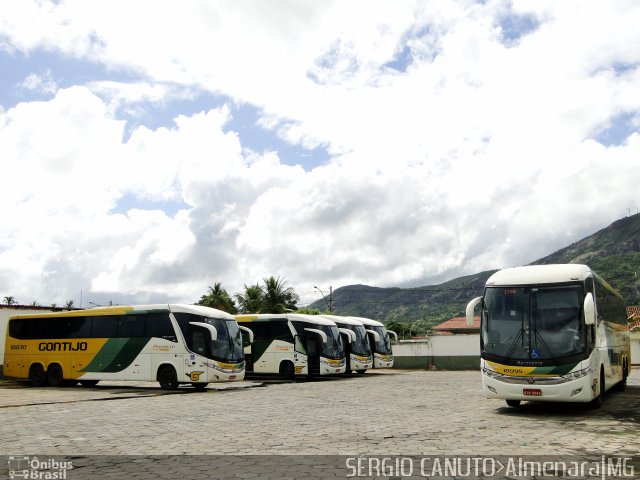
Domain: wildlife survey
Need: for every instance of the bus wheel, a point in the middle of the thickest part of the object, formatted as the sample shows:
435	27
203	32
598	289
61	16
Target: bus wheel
597	402
89	383
513	403
287	370
54	375
199	386
361	371
37	375
168	378
621	386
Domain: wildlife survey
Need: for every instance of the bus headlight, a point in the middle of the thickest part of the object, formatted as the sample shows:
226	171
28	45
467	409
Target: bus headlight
578	374
490	373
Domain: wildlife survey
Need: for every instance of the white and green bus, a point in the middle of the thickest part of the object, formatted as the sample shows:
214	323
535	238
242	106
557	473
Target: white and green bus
380	342
356	343
293	345
551	333
171	344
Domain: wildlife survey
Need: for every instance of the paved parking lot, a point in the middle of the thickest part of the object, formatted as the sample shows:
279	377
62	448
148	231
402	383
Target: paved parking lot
392	412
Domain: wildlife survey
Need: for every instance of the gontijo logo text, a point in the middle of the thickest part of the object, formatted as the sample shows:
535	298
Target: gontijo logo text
62	346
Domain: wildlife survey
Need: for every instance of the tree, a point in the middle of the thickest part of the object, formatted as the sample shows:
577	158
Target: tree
218	298
69	304
252	300
277	297
10	301
311	311
401	329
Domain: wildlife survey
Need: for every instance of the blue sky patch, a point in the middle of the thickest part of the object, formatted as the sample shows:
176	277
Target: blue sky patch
245	121
130	200
514	27
619	129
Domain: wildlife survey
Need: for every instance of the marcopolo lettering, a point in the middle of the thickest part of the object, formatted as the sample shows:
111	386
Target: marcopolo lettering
62	346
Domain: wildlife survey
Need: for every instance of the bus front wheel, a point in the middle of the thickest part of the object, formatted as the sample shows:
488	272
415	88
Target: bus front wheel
168	378
287	370
54	375
597	402
37	375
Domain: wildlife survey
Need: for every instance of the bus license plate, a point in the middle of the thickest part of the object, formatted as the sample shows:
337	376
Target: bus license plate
532	392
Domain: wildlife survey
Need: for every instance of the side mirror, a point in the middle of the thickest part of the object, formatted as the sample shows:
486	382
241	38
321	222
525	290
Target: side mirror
245	329
350	334
323	335
374	334
212	330
589	308
470	308
395	335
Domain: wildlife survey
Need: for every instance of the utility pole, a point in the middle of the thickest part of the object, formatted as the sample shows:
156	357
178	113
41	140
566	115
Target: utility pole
329	302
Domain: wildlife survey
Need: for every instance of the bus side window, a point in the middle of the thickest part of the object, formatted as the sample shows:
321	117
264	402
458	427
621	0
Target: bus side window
79	327
279	330
131	326
159	325
103	326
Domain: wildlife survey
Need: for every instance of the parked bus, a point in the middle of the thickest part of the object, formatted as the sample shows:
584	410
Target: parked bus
356	343
380	342
293	344
551	332
171	344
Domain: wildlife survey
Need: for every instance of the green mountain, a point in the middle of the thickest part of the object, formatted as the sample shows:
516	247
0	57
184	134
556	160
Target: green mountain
613	252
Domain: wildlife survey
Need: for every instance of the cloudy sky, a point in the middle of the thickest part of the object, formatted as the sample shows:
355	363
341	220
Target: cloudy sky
150	149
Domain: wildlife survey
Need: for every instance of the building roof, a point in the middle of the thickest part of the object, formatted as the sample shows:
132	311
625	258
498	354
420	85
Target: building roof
458	325
634	317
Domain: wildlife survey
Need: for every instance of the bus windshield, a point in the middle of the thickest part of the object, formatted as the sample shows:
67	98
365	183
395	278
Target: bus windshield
361	345
226	348
228	345
533	323
383	345
334	347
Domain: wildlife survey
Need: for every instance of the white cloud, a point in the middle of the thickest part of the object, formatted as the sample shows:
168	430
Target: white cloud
479	155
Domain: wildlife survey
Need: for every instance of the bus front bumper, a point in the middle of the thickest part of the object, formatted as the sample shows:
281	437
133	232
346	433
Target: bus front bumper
549	389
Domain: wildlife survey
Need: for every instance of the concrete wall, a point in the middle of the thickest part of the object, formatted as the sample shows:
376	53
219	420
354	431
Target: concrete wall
458	352
446	352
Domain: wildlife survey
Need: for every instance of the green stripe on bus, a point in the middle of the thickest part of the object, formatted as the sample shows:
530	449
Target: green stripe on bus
116	354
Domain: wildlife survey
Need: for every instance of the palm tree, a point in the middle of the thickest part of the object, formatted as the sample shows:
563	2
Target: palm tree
277	297
10	301
252	300
69	304
218	298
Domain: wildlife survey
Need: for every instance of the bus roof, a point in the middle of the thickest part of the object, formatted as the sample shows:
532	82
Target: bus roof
536	274
343	320
127	309
315	319
367	322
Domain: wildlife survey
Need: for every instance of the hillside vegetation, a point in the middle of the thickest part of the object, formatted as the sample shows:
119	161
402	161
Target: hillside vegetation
613	252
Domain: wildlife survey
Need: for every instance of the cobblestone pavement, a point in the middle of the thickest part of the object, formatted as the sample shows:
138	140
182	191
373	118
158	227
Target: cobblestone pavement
396	412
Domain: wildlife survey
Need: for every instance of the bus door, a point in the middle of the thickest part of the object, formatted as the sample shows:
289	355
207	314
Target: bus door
313	348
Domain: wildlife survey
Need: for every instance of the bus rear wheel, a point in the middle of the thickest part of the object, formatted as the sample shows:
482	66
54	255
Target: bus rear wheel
168	378
55	377
37	375
89	383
